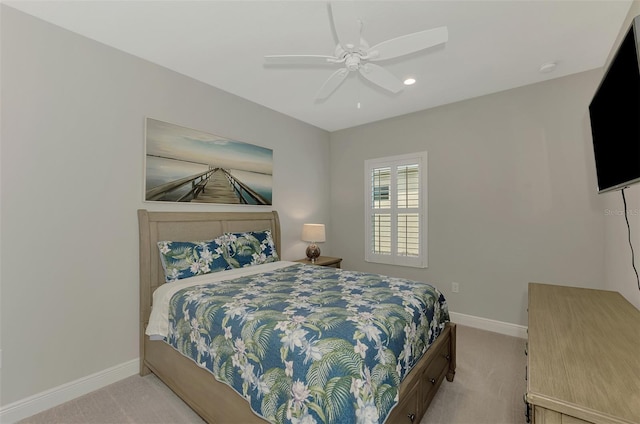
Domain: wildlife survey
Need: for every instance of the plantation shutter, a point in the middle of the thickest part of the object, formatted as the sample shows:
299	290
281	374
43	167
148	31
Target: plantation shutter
396	210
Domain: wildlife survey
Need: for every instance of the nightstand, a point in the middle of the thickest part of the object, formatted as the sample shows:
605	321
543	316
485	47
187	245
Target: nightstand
322	261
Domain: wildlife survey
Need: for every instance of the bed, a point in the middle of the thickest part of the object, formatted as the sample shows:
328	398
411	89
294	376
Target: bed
218	402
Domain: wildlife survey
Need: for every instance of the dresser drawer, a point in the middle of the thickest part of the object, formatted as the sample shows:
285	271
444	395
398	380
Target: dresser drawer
435	373
406	412
547	416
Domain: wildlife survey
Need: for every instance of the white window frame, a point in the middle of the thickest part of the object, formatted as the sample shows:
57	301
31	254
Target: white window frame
419	261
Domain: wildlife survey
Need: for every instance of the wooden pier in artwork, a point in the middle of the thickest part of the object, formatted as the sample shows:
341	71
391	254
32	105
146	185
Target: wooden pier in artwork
218	189
216	185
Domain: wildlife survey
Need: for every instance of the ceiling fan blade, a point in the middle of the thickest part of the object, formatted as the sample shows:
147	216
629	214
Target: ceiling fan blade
299	59
409	43
380	76
346	24
332	83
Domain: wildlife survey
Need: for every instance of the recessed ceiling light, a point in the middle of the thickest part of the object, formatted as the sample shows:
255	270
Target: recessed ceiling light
548	67
409	81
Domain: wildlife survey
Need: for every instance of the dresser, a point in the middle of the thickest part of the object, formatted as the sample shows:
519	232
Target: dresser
583	356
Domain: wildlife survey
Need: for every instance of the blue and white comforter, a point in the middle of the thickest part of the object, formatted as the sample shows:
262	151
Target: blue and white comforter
307	344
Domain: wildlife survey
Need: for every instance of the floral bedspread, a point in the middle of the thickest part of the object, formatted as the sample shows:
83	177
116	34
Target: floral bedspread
309	344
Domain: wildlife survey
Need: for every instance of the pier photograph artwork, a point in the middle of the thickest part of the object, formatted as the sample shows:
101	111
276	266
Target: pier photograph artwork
188	165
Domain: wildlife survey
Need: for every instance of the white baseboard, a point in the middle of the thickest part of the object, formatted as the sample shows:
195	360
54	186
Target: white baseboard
489	325
35	404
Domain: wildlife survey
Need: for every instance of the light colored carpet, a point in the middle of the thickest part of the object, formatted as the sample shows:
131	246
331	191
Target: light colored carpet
489	384
487	389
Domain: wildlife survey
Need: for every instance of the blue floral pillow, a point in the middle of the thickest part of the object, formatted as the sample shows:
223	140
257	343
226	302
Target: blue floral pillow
183	259
251	248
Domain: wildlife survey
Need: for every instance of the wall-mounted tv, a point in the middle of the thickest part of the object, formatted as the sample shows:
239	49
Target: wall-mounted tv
615	117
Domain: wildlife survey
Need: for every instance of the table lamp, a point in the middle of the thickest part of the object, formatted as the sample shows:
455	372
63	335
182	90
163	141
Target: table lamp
313	233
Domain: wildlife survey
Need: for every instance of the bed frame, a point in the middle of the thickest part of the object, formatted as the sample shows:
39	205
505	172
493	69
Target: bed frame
216	402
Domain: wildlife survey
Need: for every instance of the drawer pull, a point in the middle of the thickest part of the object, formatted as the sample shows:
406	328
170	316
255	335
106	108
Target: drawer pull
447	357
411	417
432	380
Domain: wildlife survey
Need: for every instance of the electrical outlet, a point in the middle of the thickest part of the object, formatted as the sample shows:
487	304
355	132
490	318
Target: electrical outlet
455	287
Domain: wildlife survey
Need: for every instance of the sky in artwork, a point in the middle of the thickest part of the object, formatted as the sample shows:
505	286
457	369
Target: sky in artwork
175	142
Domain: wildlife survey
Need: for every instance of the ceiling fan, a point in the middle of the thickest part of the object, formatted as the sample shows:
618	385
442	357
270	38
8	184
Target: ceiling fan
354	54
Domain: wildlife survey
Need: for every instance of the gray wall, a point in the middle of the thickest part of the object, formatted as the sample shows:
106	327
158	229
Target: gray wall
72	161
511	194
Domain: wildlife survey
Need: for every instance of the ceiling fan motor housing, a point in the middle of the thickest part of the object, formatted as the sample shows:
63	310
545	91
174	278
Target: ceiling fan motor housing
353	61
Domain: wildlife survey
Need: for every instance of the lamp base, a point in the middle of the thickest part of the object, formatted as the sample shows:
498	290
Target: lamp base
313	251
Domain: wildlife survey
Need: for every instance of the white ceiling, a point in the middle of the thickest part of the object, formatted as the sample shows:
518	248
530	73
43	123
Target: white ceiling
493	46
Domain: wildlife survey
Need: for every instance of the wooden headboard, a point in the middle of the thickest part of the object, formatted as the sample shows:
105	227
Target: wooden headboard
187	226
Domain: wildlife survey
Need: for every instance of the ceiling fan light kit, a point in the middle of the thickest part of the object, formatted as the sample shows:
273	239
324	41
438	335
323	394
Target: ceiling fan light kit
347	29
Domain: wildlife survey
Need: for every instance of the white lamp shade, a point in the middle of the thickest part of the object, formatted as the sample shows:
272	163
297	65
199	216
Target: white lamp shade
313	233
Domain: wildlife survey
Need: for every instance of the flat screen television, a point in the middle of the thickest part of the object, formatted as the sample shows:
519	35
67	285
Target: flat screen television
615	117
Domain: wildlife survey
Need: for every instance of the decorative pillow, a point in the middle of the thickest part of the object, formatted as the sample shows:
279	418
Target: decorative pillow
251	248
183	259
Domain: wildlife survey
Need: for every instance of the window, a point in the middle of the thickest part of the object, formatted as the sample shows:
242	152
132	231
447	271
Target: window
396	211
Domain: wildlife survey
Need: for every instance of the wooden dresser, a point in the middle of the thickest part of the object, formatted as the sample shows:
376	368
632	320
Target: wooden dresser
583	356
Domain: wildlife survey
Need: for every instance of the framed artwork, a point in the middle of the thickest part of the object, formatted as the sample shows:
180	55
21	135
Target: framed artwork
187	165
